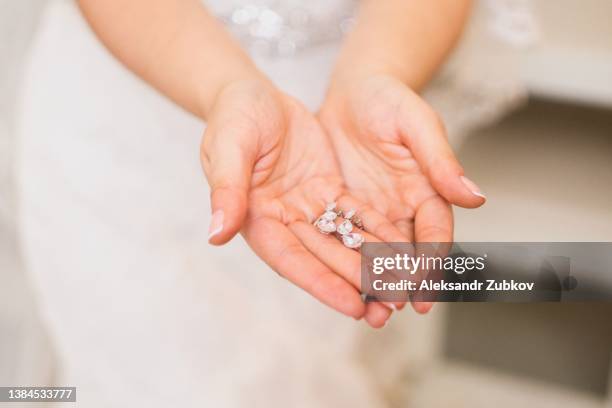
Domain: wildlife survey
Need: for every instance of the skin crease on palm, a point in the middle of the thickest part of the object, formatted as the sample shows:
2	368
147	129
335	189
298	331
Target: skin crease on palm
272	166
378	165
294	174
377	162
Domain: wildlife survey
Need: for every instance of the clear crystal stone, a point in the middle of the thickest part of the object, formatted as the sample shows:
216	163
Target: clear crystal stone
345	228
352	240
349	214
326	226
329	215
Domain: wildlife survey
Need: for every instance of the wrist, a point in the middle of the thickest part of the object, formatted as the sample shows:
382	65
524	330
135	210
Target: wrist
245	75
345	81
356	69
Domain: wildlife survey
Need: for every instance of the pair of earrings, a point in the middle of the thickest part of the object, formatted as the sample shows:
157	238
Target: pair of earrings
326	223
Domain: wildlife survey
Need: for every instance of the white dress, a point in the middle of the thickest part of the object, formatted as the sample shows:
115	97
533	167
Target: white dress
113	219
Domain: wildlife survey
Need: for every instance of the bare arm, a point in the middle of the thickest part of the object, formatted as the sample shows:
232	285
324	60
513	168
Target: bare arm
176	46
406	39
395	151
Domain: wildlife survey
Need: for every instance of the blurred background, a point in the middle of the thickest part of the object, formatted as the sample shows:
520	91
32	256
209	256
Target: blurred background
547	170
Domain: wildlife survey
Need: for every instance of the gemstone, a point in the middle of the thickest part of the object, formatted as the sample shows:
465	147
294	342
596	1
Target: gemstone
349	214
326	226
329	215
345	228
352	240
330	207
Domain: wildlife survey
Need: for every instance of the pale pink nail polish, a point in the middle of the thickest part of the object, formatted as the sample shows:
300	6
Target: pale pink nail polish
472	187
216	224
391	306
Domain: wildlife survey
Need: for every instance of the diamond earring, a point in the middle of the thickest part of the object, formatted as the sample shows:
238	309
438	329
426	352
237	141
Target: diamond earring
326	222
350	239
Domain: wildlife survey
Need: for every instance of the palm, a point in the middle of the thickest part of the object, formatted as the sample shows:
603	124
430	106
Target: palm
294	175
298	175
378	165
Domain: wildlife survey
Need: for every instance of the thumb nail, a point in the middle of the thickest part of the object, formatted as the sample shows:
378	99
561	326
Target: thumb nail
472	187
216	224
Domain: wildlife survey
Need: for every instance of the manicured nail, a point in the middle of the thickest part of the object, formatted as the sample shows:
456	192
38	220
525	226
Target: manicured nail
216	224
391	306
472	187
387	321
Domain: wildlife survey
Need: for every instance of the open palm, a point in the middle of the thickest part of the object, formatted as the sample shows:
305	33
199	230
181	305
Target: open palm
272	171
394	156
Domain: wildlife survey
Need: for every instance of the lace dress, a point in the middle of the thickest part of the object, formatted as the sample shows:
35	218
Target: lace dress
114	212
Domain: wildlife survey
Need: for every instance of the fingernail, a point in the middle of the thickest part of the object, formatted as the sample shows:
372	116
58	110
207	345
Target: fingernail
387	321
391	306
216	224
472	187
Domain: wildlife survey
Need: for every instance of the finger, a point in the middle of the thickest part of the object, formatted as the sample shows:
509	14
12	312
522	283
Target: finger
434	221
373	221
342	260
433	224
406	227
331	251
423	132
386	250
228	163
281	249
380	228
377	315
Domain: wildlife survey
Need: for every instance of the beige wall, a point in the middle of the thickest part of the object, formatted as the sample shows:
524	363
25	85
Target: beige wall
576	23
572	60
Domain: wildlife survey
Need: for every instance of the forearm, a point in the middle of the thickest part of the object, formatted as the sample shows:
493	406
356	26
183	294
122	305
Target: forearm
176	46
408	39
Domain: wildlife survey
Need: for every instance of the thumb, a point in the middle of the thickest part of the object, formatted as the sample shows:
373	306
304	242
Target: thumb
228	166
423	132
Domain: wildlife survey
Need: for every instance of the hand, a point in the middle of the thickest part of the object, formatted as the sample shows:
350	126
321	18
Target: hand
272	170
394	156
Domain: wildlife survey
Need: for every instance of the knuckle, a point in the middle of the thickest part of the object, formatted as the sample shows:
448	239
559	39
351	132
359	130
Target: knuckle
287	254
437	122
386	232
433	232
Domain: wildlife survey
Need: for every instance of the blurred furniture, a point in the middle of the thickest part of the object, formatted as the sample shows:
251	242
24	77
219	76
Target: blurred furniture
547	171
572	60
